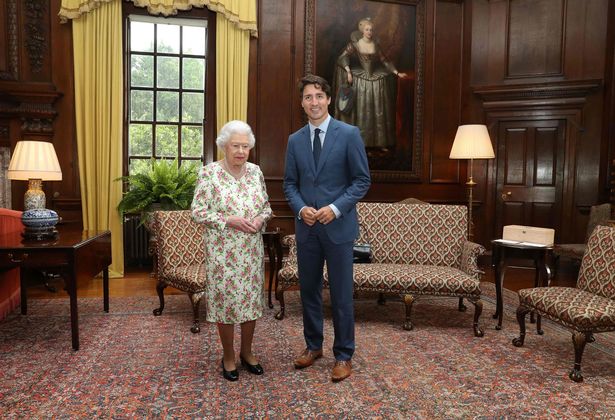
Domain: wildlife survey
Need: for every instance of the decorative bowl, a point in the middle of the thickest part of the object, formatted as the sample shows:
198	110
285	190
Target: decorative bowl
39	218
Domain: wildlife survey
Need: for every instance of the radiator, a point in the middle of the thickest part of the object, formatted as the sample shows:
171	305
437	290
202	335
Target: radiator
136	240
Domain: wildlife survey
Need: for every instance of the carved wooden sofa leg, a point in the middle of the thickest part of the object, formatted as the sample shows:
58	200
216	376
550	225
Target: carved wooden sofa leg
579	339
478	309
160	289
462	307
408	301
381	299
521	312
279	295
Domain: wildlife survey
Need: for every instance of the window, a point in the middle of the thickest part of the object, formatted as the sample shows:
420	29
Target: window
166	96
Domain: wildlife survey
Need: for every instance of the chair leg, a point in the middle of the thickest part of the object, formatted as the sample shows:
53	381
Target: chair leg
579	339
478	309
521	312
195	298
461	306
279	295
381	299
160	289
408	301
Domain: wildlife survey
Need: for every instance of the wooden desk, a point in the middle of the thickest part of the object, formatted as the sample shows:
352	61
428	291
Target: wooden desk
501	251
74	254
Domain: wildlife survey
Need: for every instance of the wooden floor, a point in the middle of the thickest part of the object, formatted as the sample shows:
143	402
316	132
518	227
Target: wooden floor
139	282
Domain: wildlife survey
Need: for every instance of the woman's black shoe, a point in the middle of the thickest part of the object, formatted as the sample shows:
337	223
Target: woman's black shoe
229	375
256	369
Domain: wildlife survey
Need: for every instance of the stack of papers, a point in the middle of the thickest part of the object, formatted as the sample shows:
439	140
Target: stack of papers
508	241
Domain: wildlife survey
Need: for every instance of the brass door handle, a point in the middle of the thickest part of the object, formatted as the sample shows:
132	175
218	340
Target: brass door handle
506	195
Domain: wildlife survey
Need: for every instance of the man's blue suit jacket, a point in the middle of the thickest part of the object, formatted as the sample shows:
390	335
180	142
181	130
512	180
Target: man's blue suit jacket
341	178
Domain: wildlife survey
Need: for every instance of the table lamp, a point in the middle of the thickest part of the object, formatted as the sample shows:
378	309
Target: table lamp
36	161
472	141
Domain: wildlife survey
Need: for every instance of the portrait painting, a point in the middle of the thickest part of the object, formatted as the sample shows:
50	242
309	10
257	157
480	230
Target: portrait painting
371	53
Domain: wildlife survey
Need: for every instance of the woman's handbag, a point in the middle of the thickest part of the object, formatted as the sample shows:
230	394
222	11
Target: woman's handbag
362	249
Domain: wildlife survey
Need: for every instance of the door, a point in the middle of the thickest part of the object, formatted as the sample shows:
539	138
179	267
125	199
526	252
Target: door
530	172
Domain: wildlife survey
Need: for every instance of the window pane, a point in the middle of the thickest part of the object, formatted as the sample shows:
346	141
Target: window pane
193	107
168	72
141	105
194	40
168	39
194	73
192	142
192	165
138	166
166	141
141	70
142	36
167	106
140	139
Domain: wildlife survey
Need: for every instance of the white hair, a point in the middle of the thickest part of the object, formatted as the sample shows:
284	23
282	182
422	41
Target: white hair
234	127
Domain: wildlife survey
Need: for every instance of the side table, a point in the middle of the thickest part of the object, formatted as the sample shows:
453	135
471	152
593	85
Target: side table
273	245
501	251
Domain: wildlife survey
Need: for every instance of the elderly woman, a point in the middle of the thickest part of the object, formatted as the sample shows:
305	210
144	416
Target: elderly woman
231	200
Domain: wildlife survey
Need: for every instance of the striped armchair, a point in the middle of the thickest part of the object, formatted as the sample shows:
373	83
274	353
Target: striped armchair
181	256
587	308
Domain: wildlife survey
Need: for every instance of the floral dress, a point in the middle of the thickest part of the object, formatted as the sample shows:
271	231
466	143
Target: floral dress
234	260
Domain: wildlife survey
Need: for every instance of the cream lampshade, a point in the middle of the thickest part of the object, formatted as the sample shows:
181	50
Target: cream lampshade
36	161
472	141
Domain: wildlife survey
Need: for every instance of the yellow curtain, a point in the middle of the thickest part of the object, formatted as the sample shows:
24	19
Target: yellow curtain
97	49
242	13
232	57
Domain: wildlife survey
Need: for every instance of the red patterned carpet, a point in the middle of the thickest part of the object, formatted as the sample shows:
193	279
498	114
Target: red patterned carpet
132	364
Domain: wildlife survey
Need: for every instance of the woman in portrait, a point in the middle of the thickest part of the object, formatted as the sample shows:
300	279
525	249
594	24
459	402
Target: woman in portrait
231	201
363	66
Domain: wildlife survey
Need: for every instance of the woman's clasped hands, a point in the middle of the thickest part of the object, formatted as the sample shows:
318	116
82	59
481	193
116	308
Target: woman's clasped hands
245	225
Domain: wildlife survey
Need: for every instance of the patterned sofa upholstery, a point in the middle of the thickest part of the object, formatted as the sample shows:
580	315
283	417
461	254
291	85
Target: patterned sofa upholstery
418	249
587	308
180	258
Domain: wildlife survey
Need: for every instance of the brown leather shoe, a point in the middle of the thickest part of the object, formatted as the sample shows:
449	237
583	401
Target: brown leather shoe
341	370
307	358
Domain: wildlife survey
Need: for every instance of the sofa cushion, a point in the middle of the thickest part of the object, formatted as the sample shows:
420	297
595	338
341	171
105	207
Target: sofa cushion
574	307
421	279
401	278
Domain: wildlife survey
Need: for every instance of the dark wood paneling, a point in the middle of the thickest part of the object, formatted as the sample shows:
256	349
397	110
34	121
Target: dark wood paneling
446	88
535	34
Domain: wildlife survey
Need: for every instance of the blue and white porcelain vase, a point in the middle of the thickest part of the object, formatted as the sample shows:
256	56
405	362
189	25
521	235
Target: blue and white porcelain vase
39	218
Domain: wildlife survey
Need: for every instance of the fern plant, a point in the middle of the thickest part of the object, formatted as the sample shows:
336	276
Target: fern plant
163	185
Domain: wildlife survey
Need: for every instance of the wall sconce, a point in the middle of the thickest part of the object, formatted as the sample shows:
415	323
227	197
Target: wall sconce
472	141
36	161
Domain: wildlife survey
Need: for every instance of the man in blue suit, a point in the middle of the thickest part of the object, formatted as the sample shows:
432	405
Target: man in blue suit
326	175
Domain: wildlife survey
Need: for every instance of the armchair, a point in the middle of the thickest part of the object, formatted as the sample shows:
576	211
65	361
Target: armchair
598	215
587	308
180	258
10	224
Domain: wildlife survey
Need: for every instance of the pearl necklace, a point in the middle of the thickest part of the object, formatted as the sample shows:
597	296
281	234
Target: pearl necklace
228	169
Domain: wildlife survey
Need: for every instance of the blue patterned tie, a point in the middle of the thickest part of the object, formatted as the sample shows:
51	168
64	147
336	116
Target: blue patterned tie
317	146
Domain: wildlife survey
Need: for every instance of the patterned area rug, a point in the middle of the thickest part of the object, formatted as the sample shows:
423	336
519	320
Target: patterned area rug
132	364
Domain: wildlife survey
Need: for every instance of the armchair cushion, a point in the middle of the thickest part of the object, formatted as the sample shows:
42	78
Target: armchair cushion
574	308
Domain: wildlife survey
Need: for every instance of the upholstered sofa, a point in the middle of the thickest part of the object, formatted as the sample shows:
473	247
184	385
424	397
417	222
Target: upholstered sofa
10	224
418	249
